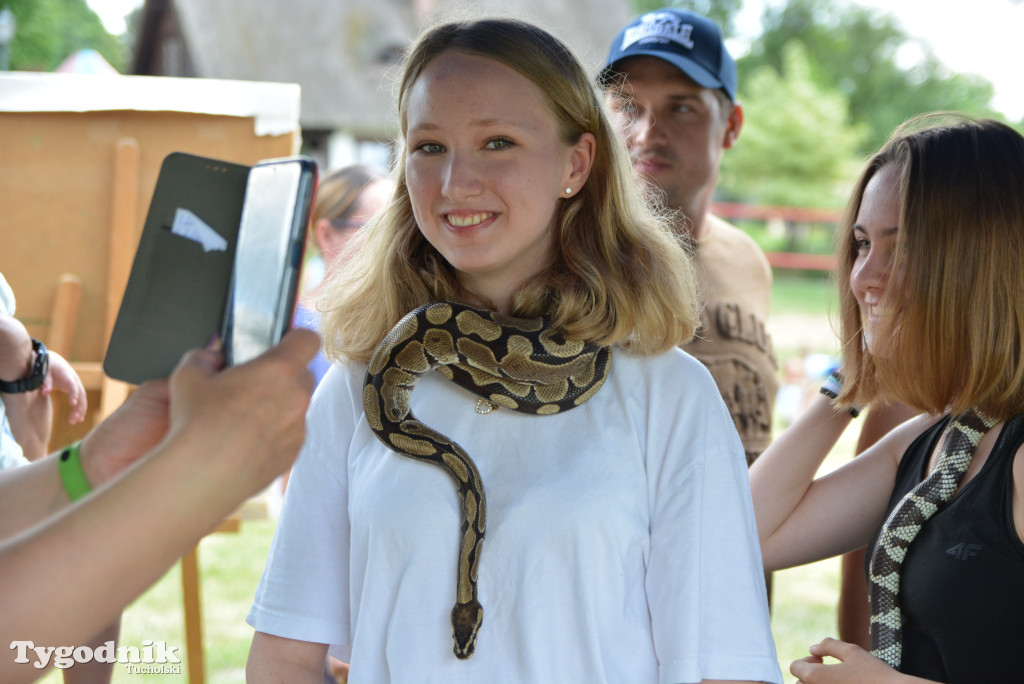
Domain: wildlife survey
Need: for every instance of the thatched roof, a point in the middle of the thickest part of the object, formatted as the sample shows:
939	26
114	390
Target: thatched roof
341	52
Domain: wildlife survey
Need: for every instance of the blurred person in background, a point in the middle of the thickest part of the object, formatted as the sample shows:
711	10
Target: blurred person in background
345	200
673	83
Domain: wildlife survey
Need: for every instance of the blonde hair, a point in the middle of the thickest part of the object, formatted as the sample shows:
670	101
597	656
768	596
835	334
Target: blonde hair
955	302
619	275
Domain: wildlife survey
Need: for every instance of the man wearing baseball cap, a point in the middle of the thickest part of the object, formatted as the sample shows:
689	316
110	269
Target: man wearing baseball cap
670	77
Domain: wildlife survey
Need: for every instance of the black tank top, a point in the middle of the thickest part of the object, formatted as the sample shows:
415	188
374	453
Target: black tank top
962	585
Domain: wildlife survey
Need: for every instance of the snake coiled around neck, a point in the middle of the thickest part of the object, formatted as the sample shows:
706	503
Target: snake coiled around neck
513	363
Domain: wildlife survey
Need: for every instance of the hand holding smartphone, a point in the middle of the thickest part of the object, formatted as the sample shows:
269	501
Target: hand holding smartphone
220	253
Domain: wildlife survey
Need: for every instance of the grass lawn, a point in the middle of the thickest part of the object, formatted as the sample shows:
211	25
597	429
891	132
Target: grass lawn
813	296
230	564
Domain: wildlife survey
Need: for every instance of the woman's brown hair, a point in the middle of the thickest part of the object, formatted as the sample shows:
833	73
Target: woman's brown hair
954	322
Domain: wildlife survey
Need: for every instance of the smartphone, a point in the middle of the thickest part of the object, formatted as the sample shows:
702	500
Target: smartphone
268	256
220	254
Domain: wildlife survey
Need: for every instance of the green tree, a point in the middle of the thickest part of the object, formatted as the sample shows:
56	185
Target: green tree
722	12
50	30
796	147
856	50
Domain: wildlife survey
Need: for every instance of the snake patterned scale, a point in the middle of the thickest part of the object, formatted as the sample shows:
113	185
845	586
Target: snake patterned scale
961	439
514	363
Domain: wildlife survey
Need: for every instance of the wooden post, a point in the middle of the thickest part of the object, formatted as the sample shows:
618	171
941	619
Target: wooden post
124	238
193	617
194	608
65	314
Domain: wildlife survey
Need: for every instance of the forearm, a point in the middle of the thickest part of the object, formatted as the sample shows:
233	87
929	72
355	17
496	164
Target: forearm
95	671
35	492
30	413
116	547
781	476
31	418
30	494
16	354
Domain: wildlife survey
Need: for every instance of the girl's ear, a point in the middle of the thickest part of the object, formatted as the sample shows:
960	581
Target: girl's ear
322	234
581	160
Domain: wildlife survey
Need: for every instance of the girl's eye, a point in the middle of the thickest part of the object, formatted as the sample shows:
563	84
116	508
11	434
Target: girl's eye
861	245
430	148
498	144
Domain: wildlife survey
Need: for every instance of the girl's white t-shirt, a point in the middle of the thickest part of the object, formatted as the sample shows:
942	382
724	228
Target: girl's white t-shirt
620	544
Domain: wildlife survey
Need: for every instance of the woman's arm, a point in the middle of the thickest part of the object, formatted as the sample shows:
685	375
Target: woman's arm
30	414
275	659
801	519
230	434
34	492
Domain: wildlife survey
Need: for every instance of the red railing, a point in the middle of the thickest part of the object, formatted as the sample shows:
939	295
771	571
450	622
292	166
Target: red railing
764	212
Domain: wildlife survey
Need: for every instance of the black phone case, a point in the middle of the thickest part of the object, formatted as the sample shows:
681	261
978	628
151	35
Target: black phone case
179	287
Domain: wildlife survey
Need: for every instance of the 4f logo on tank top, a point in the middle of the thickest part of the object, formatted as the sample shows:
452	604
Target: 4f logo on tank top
964	551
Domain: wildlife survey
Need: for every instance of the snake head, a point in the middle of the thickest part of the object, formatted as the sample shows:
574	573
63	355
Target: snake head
466	621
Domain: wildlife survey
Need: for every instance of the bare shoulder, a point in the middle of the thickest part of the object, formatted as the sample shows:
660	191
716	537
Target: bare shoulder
899	439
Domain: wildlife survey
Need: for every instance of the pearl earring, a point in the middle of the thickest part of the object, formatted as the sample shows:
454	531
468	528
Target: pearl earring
568	191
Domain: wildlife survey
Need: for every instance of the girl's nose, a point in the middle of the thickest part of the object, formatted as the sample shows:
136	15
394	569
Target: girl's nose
461	178
872	272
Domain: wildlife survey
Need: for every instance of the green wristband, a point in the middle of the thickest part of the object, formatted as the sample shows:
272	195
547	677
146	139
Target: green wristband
71	473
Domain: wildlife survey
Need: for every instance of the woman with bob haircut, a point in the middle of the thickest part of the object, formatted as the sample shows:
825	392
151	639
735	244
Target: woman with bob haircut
620	540
930	255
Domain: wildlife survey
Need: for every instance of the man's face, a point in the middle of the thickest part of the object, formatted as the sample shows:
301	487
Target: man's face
676	130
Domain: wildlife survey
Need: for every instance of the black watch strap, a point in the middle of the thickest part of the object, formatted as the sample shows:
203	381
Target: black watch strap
35	380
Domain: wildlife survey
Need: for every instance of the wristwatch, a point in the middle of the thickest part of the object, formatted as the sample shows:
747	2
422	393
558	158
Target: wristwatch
35	379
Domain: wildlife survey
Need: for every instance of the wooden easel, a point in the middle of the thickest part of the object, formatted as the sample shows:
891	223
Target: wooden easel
124	237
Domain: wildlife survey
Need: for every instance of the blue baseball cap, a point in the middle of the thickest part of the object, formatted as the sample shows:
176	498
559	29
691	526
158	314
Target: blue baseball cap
688	41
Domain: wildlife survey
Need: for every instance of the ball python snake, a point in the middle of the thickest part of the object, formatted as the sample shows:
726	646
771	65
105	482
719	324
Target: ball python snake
513	363
961	439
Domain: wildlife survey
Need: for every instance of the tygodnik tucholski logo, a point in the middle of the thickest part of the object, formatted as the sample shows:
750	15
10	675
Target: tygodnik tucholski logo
153	658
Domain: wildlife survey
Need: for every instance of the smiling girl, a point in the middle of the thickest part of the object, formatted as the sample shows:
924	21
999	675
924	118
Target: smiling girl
620	542
932	293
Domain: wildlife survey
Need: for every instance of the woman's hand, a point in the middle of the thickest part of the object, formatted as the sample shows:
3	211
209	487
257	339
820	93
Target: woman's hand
248	419
63	377
855	666
138	425
244	424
